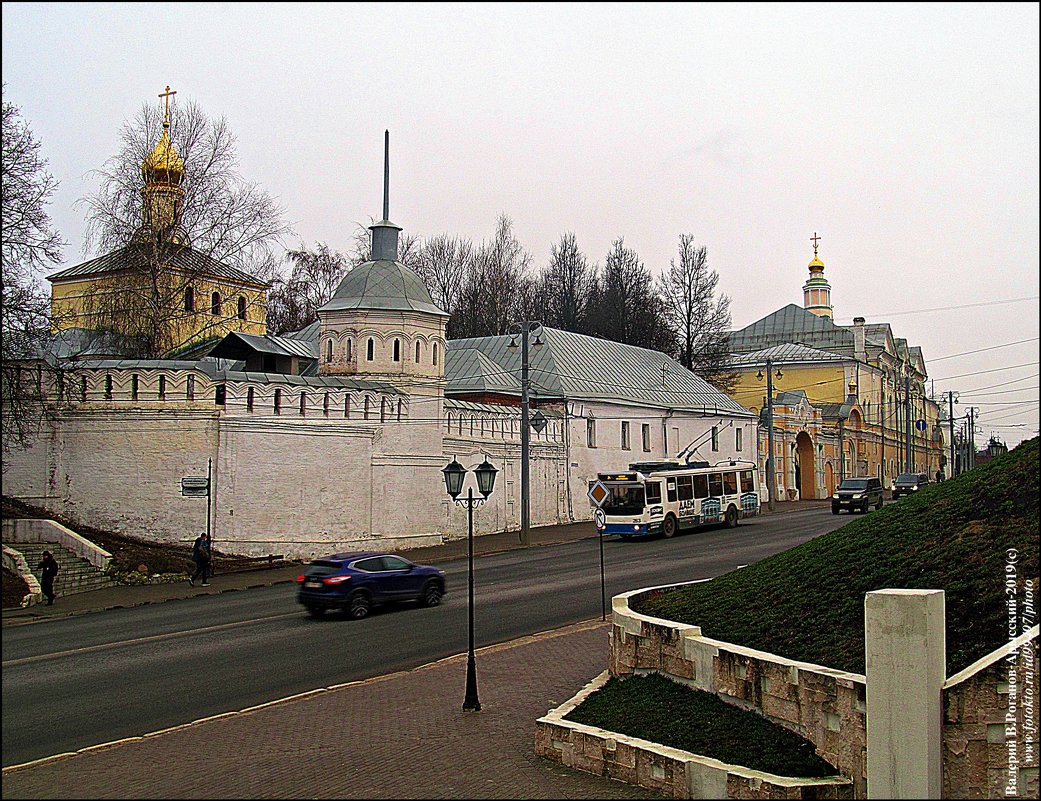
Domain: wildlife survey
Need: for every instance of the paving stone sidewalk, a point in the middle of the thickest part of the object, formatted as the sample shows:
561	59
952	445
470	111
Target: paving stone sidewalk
403	735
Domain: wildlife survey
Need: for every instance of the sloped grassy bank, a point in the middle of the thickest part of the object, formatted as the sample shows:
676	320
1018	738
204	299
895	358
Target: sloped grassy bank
657	709
808	602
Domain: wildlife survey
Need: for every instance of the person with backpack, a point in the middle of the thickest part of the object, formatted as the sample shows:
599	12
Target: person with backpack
201	557
48	568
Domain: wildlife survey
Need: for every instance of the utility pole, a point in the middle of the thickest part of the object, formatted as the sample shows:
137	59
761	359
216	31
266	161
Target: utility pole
907	423
770	477
950	415
525	327
882	428
972	436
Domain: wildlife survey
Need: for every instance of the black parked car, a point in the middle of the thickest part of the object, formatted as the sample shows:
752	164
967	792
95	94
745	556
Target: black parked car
355	582
857	493
909	483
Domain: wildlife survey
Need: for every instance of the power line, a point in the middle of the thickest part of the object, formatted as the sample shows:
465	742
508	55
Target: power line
950	308
981	350
981	372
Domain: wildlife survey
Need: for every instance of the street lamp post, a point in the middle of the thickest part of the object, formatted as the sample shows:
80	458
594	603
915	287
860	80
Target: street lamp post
455	474
770	475
523	328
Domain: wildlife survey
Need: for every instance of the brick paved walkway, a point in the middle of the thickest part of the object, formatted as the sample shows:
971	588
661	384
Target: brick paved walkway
398	736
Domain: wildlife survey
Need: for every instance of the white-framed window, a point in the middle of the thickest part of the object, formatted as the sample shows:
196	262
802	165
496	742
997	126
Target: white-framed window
646	433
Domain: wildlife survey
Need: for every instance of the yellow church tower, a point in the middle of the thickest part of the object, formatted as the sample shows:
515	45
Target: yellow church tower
816	292
163	173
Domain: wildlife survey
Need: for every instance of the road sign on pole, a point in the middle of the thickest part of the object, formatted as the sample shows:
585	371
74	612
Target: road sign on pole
598	493
920	425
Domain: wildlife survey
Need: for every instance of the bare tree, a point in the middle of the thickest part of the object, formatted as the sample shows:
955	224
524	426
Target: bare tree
294	300
223	222
490	298
29	244
443	264
700	320
565	286
625	305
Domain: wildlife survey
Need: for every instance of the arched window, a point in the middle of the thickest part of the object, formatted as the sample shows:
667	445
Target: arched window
328	350
189	299
215	304
303	403
242	307
249	399
350	348
278	401
417	352
366	415
371	349
397	350
435	353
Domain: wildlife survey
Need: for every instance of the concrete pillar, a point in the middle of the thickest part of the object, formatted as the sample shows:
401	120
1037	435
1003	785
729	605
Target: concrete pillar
905	652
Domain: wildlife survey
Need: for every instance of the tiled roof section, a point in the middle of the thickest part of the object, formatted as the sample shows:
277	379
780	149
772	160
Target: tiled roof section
792	324
786	353
236	345
581	367
494	408
469	370
835	411
213	371
309	333
382	285
132	257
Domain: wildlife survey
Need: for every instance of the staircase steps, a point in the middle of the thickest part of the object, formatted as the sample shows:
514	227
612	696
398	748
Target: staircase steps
75	574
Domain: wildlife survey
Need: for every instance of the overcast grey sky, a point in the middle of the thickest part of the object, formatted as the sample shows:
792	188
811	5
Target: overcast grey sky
905	135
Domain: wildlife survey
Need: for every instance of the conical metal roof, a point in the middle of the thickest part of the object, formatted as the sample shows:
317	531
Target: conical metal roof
382	284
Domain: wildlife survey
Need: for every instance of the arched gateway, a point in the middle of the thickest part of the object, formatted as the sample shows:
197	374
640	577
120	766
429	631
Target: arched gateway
807	468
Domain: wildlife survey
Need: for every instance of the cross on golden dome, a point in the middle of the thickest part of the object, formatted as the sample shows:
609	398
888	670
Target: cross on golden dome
814	239
166	96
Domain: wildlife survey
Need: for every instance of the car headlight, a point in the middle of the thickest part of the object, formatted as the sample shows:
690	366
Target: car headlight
835	497
858	496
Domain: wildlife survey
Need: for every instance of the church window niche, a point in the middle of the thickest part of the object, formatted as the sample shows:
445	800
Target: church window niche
189	388
249	399
303	403
242	307
371	352
215	304
83	388
328	350
450	423
383	409
435	354
365	414
397	350
189	299
220	394
347	406
162	387
417	353
278	401
108	387
325	405
134	386
350	348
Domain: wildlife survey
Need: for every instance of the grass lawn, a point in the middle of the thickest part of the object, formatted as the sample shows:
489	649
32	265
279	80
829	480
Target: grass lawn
808	602
662	711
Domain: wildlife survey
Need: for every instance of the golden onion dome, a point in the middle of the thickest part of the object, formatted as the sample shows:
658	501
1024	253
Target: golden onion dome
163	165
816	265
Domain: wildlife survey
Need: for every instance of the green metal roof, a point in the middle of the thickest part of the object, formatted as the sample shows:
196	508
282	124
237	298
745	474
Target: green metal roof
575	366
796	325
382	284
133	257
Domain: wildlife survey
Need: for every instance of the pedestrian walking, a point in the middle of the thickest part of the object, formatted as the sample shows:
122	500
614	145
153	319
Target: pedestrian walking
939	475
201	557
49	569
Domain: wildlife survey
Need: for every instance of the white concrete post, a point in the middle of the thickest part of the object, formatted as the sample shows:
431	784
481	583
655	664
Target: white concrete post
905	655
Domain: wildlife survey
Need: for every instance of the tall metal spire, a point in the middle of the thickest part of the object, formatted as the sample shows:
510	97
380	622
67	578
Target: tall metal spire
385	233
386	175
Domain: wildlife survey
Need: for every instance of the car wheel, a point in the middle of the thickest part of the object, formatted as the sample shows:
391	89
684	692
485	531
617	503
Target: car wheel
731	518
359	606
431	594
668	528
315	611
834	510
879	505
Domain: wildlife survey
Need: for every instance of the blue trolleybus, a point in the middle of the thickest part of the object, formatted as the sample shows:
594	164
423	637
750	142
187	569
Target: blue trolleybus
665	497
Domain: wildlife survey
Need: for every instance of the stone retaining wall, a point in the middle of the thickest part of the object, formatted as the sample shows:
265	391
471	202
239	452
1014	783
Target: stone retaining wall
15	531
670	771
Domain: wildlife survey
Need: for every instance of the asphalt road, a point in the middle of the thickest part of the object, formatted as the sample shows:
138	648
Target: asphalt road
95	678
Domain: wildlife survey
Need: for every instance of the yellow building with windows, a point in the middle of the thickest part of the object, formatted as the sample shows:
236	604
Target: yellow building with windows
158	295
847	400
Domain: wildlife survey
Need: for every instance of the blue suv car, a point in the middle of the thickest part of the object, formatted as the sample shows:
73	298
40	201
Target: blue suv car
355	582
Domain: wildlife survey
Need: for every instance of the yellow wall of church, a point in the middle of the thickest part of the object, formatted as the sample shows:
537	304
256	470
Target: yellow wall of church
70	308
